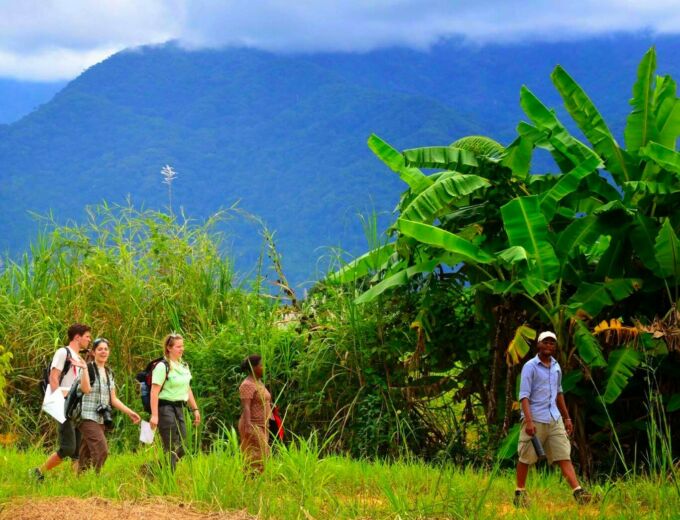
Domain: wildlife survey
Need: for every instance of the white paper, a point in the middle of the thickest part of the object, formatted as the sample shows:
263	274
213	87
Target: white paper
146	433
53	404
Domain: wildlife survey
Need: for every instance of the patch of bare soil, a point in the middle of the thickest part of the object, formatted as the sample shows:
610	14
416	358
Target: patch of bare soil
69	508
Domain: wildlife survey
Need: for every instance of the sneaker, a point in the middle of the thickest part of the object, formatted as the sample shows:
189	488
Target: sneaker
36	474
520	499
582	496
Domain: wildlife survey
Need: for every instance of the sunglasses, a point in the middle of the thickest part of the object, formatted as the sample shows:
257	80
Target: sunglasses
98	341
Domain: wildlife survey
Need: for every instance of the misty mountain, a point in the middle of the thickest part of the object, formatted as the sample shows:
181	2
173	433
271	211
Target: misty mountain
285	135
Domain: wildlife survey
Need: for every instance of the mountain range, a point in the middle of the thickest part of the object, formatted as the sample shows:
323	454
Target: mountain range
284	135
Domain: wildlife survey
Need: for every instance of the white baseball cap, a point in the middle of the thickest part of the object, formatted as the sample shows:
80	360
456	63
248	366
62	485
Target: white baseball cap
546	334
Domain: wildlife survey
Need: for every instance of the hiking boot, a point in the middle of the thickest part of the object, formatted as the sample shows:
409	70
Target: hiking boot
582	497
36	474
520	499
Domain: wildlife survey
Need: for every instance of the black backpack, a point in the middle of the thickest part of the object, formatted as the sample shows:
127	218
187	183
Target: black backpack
45	381
73	403
144	377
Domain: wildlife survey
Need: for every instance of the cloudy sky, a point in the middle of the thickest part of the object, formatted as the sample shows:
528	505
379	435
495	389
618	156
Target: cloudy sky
57	39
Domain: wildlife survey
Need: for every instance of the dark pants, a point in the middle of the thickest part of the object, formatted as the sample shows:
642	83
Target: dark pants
173	431
68	439
93	447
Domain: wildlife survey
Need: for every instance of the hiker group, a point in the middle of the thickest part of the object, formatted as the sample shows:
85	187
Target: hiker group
89	391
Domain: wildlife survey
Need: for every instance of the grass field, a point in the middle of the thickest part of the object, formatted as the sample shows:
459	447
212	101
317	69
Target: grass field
299	483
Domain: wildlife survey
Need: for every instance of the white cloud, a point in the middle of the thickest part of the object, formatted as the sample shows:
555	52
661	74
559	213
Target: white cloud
56	39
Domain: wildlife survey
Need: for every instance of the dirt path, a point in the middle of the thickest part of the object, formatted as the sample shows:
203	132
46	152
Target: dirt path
68	508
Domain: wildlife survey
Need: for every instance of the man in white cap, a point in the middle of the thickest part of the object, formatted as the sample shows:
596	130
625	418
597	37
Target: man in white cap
545	415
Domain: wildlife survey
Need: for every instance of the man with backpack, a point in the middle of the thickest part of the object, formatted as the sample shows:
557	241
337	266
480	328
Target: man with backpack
64	370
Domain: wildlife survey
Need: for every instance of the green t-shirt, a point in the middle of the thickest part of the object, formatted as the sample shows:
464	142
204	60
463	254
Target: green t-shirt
176	387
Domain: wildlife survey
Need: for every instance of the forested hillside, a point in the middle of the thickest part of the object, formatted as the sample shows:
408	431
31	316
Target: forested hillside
284	135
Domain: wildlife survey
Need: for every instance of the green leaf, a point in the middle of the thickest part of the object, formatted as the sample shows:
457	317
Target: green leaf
641	124
431	201
396	280
663	156
363	265
587	345
416	179
517	156
557	135
479	145
570	380
667	251
620	368
513	255
589	120
582	232
508	448
567	184
673	403
649	188
643	237
667	111
446	240
592	298
443	157
526	227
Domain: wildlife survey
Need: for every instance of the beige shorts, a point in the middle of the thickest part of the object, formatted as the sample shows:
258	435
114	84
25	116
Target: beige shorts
553	437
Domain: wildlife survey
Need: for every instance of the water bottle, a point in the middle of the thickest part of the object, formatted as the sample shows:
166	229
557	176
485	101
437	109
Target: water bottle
538	447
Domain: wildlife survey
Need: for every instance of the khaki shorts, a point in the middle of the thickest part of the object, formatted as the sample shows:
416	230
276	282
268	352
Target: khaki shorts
553	437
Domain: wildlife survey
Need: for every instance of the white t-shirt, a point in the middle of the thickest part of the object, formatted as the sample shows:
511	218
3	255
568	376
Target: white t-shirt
58	361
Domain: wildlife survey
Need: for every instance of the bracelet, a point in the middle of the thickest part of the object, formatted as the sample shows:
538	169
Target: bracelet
568	419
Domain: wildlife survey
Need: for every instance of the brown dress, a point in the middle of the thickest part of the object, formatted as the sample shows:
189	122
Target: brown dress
254	437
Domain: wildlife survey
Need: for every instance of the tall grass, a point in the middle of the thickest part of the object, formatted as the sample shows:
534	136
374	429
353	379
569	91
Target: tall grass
299	482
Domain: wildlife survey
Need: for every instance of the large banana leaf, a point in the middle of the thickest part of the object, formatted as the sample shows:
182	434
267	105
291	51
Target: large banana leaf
416	179
641	124
446	240
558	136
588	347
526	227
508	448
441	157
396	280
363	265
442	194
643	237
582	232
567	184
667	251
589	120
620	368
663	156
591	298
666	111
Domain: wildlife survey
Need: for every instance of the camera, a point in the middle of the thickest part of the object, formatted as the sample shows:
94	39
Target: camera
105	412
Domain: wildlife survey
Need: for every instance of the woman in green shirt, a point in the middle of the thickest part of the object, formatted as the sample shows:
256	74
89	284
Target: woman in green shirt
170	392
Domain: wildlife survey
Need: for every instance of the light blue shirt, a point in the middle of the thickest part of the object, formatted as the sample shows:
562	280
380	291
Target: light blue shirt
541	384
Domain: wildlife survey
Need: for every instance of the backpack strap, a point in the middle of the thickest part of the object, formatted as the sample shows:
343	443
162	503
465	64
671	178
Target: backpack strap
67	364
167	373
